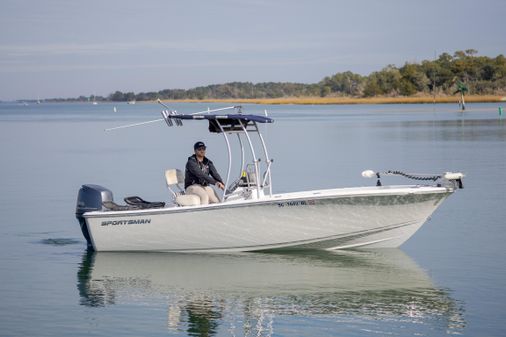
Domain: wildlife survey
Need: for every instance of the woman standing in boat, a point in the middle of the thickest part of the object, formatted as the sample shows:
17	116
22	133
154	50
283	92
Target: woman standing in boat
199	174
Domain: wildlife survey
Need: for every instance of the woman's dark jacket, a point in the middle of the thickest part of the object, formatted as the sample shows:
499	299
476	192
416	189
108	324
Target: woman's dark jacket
203	173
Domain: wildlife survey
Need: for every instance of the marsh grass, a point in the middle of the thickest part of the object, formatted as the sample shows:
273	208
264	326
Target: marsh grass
353	100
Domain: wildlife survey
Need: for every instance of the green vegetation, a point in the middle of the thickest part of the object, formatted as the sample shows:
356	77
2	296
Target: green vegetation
445	76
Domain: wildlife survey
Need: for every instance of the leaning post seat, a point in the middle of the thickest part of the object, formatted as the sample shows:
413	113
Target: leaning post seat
174	178
188	200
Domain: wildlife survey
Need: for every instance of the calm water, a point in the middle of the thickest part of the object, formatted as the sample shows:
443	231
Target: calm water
448	279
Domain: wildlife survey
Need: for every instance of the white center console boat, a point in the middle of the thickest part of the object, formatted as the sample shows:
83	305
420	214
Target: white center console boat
250	216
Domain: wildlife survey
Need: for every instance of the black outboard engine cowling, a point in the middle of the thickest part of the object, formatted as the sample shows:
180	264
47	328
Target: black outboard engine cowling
90	198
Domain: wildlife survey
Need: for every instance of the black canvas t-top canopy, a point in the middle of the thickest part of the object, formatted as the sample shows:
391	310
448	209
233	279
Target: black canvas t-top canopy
228	122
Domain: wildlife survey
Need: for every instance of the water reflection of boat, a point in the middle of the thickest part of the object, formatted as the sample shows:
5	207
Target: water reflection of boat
204	291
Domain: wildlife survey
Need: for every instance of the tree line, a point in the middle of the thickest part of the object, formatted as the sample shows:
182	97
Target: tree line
442	76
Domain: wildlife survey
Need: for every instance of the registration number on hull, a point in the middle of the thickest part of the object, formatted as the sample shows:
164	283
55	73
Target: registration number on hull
296	203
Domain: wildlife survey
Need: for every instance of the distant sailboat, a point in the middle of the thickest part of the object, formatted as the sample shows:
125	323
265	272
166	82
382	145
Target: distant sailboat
131	102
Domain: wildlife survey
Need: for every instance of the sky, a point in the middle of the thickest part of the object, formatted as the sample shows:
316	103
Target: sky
68	48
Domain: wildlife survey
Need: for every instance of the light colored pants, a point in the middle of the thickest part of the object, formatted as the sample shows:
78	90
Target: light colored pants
206	193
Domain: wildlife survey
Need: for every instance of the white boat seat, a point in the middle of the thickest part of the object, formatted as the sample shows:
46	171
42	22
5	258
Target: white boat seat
188	200
174	178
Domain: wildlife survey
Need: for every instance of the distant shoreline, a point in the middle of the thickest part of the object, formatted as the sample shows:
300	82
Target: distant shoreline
316	100
348	100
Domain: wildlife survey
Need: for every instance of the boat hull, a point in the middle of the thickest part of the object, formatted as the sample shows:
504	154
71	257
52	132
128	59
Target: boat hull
331	219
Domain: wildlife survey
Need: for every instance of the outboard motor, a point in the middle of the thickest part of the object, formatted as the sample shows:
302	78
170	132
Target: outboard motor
90	198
